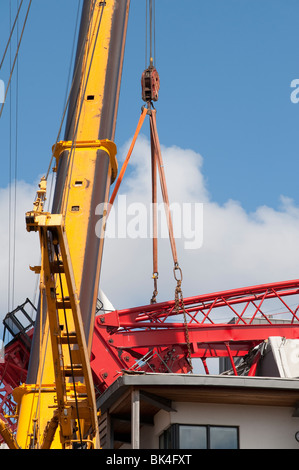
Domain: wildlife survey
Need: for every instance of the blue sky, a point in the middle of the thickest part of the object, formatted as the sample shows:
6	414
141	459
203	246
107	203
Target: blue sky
225	70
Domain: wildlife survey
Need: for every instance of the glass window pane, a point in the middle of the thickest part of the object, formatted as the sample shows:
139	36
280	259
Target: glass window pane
22	318
193	437
223	437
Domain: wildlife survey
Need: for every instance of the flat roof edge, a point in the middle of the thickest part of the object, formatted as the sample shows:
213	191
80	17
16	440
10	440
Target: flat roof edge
192	380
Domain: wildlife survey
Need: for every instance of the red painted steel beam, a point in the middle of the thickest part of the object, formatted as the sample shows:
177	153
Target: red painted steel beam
127	317
132	332
217	333
124	336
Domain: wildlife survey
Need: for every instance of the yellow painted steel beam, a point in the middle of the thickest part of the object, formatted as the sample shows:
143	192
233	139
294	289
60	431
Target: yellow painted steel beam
72	401
8	435
82	161
85	161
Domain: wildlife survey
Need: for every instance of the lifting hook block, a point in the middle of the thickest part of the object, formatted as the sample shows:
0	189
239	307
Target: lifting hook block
150	84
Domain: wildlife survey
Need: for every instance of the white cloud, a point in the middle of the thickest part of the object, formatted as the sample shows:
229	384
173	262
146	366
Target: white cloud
22	250
239	248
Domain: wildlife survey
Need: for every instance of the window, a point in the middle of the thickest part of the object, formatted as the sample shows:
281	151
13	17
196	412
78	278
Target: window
193	437
182	436
222	437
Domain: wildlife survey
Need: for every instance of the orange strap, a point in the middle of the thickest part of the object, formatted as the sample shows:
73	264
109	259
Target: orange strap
156	162
154	207
125	164
154	215
159	160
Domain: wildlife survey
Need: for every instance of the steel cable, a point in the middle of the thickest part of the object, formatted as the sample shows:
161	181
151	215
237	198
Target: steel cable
15	58
11	33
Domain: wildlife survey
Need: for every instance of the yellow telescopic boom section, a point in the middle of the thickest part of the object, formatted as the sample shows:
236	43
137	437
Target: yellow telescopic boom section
56	408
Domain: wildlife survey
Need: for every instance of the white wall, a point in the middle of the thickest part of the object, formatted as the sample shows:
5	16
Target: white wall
259	427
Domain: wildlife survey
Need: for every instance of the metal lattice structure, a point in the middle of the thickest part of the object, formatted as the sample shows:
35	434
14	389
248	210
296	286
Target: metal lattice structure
152	338
13	370
221	324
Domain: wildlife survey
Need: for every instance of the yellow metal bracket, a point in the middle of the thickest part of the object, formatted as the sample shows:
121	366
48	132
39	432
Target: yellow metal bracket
105	144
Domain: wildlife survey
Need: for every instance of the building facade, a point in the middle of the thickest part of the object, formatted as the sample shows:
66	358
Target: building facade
174	411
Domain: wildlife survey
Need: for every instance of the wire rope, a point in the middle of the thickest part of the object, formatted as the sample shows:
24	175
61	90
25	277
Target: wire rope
146	33
13	165
154	32
84	83
15	58
9	181
150	30
15	175
11	33
69	96
66	102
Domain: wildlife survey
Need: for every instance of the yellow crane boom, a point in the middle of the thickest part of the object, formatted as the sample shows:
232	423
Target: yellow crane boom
56	406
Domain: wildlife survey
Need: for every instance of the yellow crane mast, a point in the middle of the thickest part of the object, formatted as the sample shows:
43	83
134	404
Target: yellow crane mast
56	407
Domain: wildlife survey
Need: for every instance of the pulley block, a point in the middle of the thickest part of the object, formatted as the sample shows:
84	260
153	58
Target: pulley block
150	83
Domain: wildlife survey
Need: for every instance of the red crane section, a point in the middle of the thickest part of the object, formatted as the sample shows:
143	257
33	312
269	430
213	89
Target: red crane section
156	337
13	370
